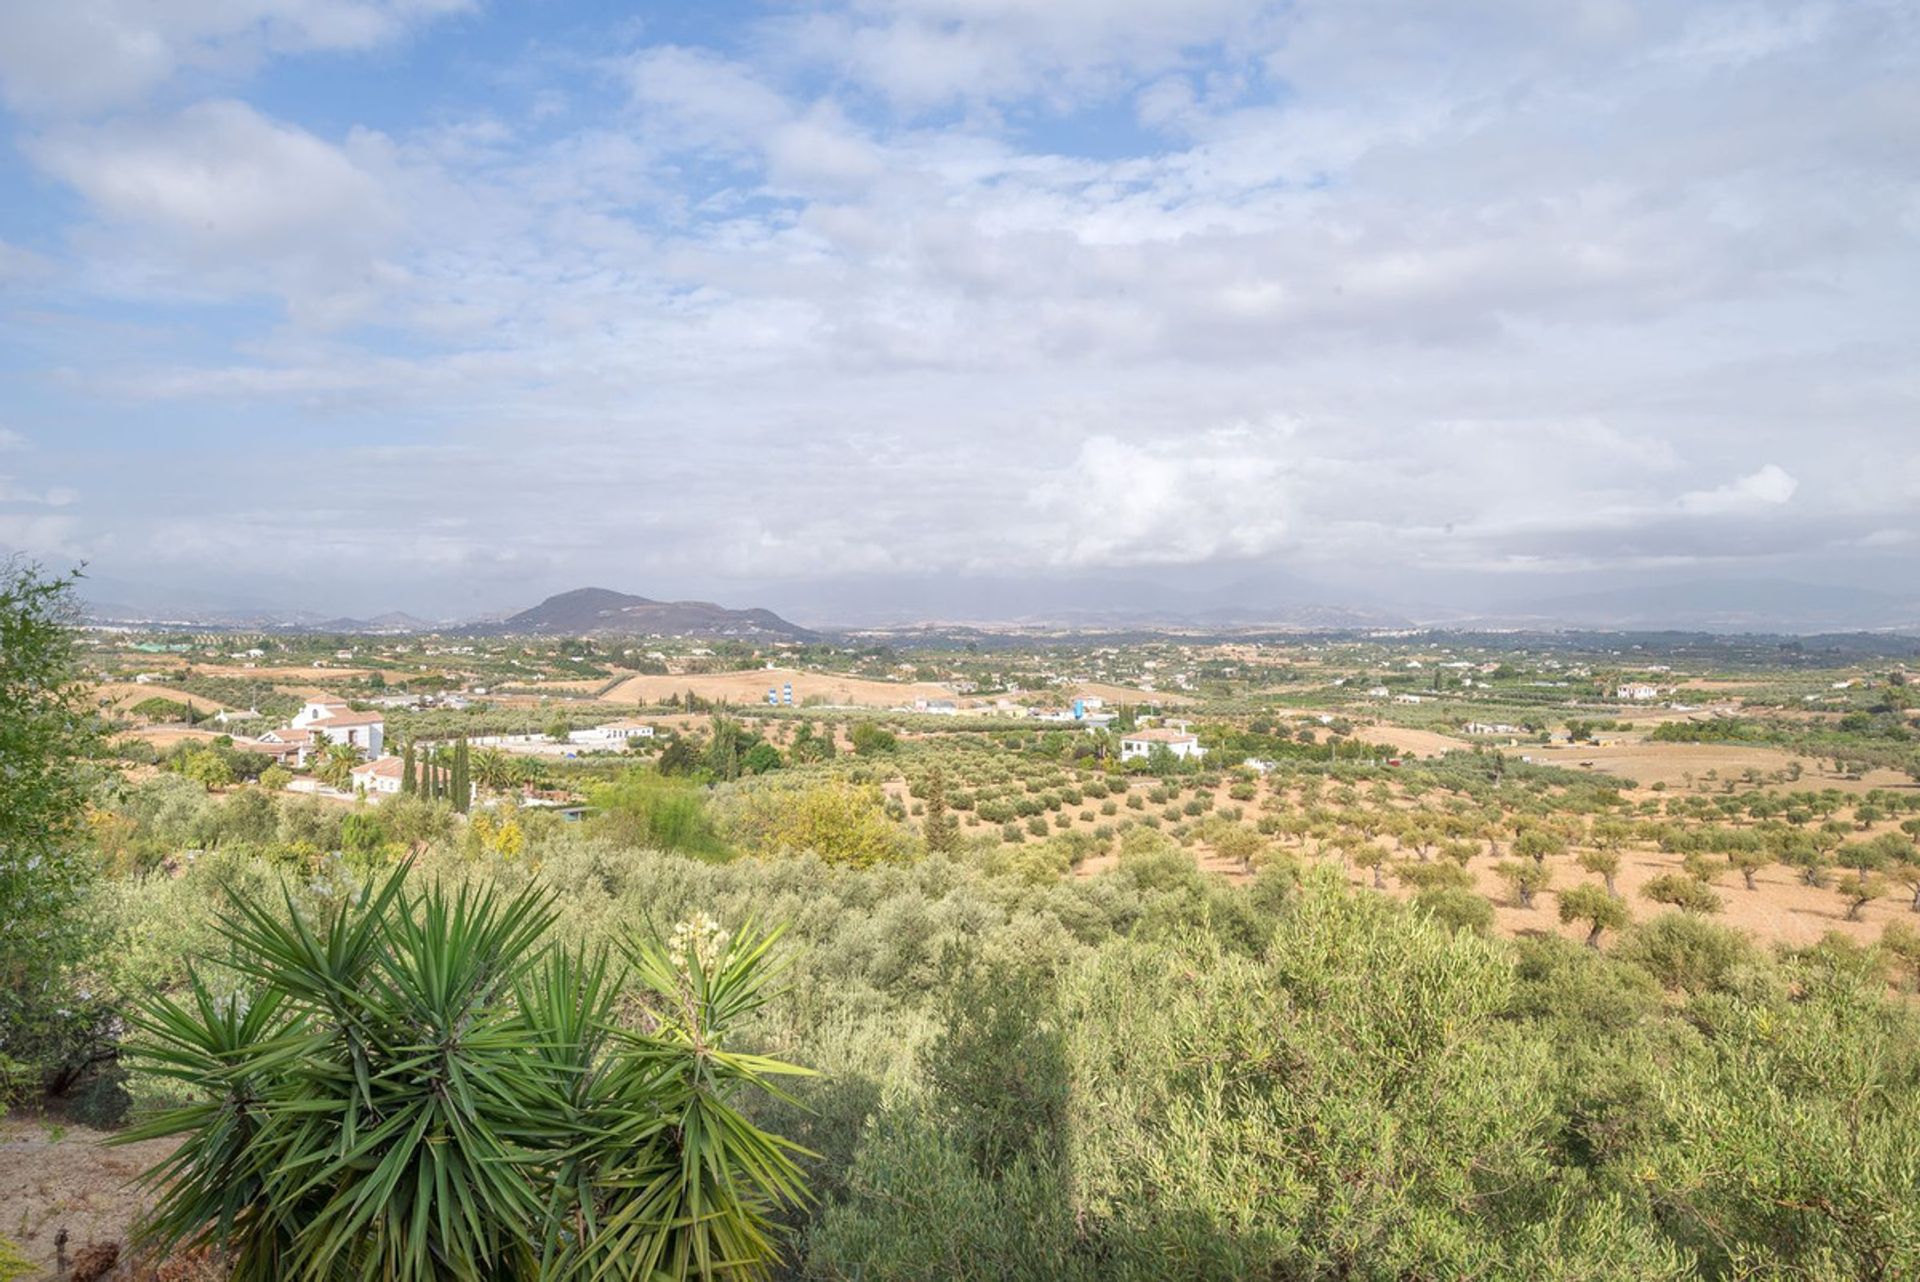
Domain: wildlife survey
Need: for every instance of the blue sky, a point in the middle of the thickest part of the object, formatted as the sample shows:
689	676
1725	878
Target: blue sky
446	304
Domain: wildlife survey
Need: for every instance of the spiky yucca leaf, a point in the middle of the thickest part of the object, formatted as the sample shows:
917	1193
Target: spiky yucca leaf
422	1090
685	1185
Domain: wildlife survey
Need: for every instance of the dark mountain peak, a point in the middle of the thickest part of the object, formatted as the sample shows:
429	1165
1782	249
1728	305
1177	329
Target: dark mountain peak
591	599
584	611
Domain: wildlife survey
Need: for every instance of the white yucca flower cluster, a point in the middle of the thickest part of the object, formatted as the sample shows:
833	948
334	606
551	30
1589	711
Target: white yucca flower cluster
700	938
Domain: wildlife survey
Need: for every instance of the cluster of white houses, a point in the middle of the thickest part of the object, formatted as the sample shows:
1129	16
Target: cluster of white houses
324	723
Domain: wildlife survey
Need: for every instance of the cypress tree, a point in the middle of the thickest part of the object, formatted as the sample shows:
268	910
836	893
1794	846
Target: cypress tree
408	784
462	768
941	831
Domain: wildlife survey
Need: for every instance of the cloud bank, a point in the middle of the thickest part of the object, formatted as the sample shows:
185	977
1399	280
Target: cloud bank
1429	305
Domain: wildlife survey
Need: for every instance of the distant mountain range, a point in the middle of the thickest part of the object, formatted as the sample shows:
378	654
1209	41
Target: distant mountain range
602	612
1721	606
1094	604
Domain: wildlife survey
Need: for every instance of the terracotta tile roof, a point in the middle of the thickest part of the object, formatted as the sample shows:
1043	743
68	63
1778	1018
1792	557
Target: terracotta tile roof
346	719
383	768
1158	735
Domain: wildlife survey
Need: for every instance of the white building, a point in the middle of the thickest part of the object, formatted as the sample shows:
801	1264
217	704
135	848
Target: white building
1141	743
365	732
613	734
287	746
379	776
1637	691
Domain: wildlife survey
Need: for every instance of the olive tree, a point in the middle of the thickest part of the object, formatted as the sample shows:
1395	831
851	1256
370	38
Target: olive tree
1601	910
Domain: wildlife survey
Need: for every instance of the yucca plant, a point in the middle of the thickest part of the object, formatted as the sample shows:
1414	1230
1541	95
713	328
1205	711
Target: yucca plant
419	1087
675	1182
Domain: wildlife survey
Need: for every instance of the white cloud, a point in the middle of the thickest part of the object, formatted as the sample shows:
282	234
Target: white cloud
956	284
1771	486
53	537
219	196
1221	493
88	55
11	491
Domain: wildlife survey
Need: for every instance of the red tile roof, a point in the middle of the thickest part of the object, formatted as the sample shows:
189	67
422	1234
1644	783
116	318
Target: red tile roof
346	719
1158	735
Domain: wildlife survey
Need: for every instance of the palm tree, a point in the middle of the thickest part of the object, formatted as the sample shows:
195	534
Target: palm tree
493	769
336	765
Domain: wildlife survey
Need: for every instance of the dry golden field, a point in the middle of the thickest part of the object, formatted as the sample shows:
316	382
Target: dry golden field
746	688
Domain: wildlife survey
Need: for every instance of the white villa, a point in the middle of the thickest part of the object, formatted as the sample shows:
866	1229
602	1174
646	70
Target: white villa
364	731
1140	743
381	776
1637	692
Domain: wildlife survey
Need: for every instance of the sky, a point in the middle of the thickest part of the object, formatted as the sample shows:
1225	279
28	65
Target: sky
853	307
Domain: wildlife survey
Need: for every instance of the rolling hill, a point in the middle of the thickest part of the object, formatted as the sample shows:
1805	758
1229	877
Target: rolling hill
591	611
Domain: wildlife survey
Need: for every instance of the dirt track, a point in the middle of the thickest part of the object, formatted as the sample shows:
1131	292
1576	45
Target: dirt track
54	1177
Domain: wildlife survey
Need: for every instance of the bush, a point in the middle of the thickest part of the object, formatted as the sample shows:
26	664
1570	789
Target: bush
1456	908
505	1123
1684	952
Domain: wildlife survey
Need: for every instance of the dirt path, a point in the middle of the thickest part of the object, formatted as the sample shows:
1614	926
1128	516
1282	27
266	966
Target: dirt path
63	1177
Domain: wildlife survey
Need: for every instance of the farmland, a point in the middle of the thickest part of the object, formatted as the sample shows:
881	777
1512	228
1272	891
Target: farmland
1010	912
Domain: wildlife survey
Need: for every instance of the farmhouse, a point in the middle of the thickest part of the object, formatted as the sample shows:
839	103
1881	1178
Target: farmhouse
1637	691
612	734
286	745
381	775
363	731
1141	743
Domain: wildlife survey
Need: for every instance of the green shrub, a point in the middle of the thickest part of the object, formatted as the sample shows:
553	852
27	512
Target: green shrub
417	1087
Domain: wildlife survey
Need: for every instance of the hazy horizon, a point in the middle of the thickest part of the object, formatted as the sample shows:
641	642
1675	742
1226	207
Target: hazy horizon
956	308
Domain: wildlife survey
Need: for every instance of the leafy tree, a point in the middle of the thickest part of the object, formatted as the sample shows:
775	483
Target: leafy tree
1604	863
1860	889
677	758
1371	856
1526	878
1683	892
208	769
871	738
46	733
1599	908
275	778
1537	844
841	822
1750	861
